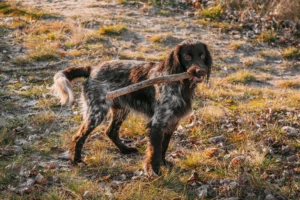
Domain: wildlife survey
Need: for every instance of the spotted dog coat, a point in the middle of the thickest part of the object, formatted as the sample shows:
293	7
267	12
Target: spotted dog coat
163	104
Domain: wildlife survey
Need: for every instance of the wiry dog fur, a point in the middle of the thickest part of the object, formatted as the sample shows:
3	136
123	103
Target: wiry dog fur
164	104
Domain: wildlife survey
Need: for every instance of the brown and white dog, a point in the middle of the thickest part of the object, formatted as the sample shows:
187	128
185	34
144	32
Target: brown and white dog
163	104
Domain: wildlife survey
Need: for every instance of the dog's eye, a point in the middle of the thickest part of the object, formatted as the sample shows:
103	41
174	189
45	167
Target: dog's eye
202	57
187	57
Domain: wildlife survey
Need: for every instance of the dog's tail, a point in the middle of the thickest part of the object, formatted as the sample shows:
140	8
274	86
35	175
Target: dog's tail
62	86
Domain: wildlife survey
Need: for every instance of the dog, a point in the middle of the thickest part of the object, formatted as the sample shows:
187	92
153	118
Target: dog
163	104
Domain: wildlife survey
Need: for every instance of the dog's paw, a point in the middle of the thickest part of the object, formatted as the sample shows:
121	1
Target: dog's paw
78	162
129	150
148	171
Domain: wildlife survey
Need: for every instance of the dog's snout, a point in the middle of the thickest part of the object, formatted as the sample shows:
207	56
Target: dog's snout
200	71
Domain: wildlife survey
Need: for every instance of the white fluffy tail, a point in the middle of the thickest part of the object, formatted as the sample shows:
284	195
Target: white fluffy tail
62	86
62	89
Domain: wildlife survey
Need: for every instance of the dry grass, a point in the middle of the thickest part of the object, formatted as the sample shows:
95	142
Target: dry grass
113	30
245	114
288	9
291	52
242	76
13	10
292	84
158	38
212	12
236	45
269	53
267	36
44	52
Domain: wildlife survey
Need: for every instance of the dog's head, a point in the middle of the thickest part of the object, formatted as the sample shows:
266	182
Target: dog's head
191	56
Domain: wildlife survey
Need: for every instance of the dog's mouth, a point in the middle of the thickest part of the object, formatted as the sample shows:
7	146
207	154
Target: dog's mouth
198	79
197	73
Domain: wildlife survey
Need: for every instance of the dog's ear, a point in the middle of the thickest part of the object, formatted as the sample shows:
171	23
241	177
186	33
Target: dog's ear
172	63
208	61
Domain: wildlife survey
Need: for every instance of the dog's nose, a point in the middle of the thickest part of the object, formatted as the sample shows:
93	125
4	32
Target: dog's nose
200	71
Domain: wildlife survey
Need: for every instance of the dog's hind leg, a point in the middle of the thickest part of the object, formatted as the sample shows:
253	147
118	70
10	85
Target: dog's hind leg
78	140
96	110
118	116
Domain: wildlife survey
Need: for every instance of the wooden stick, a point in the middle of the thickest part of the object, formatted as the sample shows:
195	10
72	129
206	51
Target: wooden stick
147	83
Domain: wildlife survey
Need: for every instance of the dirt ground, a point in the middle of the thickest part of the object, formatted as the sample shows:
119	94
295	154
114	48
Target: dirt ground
241	141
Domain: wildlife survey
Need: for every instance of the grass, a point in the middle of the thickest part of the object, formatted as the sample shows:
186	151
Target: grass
8	132
291	52
236	45
165	13
269	53
267	36
128	55
113	29
11	10
213	12
267	68
246	115
243	77
76	52
291	84
44	52
203	22
159	38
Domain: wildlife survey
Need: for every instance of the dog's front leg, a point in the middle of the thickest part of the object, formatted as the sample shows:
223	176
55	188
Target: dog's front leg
154	151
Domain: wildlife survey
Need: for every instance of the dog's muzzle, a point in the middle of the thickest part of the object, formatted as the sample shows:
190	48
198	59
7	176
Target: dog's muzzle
198	73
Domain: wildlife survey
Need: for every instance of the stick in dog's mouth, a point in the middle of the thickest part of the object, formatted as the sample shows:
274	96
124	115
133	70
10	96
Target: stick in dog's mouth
147	83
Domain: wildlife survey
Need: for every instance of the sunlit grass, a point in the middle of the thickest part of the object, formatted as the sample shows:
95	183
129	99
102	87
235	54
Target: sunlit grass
113	30
242	77
291	52
13	10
